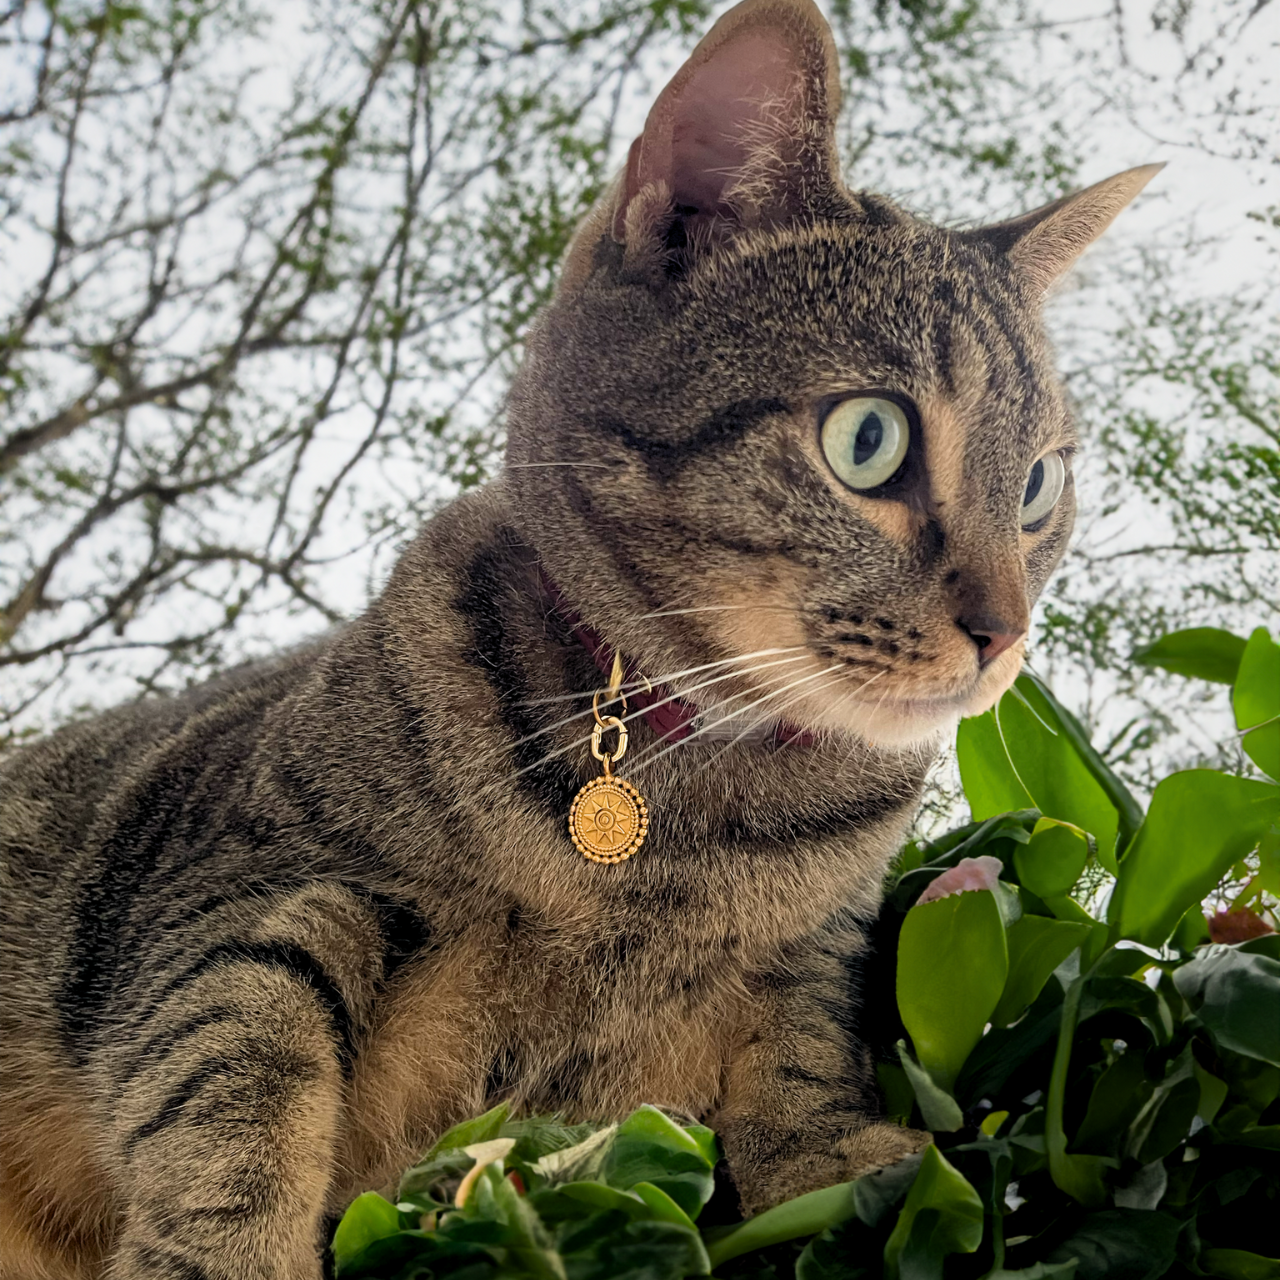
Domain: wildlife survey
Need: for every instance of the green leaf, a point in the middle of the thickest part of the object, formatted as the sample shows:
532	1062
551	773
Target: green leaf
1003	1051
1080	1176
649	1147
874	1194
424	1184
804	1216
1118	1095
992	1182
580	1162
1257	1083
1266	945
409	1250
1236	1264
974	837
991	836
706	1140
1037	946
1192	930
991	783
599	1195
481	1129
1207	653
368	1218
1017	756
1199	823
538	1136
952	965
1145	1189
941	1112
1236	995
942	1215
1121	1244
899	1096
1256	700
634	1251
661	1205
495	1203
1068	909
1053	860
1165	1120
1268	877
1213	1093
830	1256
1127	807
648	1124
1265	1136
991	1124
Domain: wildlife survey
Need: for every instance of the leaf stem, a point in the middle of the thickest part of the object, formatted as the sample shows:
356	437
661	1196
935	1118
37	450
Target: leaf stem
1080	1176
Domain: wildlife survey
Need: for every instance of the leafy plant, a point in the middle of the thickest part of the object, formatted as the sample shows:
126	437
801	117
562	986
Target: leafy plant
1101	1079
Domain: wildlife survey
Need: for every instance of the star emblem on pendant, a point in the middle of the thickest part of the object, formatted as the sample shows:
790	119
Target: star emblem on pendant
608	820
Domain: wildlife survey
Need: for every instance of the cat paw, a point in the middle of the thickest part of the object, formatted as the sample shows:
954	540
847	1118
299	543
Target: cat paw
879	1144
859	1152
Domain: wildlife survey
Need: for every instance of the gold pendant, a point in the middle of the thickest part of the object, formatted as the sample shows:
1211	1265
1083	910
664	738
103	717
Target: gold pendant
608	819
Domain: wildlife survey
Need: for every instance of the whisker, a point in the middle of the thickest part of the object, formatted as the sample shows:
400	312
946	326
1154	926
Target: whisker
773	711
717	608
638	686
603	466
649	758
559	751
853	747
653	706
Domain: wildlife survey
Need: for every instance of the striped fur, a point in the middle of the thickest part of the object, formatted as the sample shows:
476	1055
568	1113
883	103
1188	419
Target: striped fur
262	941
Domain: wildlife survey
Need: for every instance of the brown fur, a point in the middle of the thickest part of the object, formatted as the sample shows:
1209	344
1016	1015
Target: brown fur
263	941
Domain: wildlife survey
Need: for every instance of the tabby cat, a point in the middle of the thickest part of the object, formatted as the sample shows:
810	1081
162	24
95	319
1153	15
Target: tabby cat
801	460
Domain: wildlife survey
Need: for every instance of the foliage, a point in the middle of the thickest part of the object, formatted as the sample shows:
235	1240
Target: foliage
1182	486
1103	1088
259	261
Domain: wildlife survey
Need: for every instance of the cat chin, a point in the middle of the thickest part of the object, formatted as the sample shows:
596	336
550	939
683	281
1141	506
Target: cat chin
907	723
921	722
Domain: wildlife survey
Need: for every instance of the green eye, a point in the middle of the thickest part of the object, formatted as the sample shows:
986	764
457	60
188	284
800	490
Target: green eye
865	440
1044	488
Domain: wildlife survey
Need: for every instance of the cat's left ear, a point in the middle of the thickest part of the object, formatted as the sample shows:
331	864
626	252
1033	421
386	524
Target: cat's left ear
1044	243
744	135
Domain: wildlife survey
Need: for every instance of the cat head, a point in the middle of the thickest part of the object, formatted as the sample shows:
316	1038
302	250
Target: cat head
769	419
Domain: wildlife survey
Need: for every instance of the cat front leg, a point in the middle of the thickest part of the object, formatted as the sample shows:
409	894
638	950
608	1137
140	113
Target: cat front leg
231	1081
800	1108
229	1155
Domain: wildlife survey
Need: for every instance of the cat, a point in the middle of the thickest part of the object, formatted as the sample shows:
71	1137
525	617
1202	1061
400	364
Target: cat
801	463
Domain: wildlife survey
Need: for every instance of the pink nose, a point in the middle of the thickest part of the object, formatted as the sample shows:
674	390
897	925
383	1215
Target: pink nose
991	634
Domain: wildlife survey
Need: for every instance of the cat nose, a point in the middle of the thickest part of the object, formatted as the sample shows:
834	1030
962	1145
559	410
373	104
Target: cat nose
992	634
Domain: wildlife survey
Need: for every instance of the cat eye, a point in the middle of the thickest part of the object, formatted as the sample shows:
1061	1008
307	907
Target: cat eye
865	441
1044	488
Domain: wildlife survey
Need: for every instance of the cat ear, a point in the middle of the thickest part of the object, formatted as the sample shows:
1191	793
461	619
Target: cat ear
1044	243
744	135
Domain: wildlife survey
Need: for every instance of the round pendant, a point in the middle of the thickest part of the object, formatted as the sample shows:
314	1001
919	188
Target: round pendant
608	820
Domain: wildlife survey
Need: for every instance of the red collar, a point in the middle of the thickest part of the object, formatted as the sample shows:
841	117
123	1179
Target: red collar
668	716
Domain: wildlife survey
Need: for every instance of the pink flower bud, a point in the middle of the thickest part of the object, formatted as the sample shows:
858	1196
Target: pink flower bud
967	874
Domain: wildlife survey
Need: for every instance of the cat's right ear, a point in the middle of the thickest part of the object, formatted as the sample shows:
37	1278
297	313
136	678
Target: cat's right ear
743	136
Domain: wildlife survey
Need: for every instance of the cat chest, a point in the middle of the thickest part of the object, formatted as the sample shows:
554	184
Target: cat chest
588	1030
